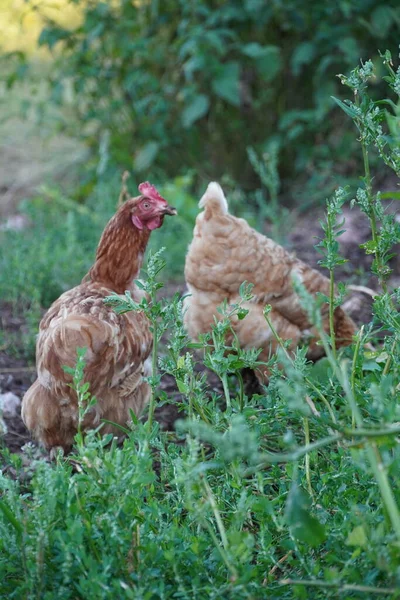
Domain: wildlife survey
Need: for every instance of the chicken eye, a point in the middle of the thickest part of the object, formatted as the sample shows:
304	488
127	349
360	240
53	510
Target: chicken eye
146	205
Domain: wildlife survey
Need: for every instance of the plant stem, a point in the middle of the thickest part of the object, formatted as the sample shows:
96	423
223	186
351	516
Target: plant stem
153	375
224	379
373	454
308	382
370	448
190	396
371	207
389	359
217	514
368	187
197	406
241	391
384	485
221	528
284	457
220	549
332	311
322	398
370	433
307	459
353	372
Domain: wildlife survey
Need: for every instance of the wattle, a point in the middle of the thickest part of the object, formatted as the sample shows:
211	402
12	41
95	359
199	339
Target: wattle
154	223
150	224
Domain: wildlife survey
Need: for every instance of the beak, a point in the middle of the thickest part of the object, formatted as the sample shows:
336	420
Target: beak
169	210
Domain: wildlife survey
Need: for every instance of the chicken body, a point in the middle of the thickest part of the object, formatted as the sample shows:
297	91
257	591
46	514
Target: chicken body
117	346
225	252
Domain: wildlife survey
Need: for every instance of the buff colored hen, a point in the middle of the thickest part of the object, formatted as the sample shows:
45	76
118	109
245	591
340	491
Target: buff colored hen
118	346
225	252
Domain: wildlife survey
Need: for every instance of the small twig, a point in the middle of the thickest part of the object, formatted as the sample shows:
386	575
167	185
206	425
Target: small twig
363	290
278	564
267	458
312	406
124	194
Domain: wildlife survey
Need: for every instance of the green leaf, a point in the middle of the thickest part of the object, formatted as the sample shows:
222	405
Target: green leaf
370	247
304	526
321	371
241	544
357	537
382	357
182	387
255	50
269	65
390	196
382	19
242	313
226	83
195	110
146	155
371	365
350	49
303	55
11	518
49	36
347	109
117	425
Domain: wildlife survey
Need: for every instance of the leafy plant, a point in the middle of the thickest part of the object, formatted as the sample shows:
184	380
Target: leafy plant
85	400
181	87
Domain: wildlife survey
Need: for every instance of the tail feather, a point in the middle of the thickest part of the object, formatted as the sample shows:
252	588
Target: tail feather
214	201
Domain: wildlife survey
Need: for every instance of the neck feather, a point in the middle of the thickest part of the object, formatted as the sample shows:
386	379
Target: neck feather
119	255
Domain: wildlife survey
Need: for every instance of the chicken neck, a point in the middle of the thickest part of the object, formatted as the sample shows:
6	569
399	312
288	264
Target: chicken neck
119	255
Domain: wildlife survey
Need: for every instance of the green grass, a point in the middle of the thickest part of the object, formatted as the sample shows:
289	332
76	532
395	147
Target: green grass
220	508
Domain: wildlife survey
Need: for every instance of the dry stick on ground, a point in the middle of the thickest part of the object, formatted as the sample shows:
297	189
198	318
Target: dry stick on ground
362	289
278	565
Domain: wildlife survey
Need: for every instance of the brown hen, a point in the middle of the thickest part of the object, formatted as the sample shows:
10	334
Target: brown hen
225	252
118	346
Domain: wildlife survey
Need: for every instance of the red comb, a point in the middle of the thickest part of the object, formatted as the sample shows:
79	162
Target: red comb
148	190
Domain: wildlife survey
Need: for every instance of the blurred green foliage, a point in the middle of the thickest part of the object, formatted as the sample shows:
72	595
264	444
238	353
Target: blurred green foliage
177	85
58	246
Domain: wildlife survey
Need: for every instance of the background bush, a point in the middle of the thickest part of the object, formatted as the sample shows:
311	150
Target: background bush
169	86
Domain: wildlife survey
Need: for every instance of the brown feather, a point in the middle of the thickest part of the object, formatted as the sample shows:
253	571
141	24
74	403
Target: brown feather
225	252
118	346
